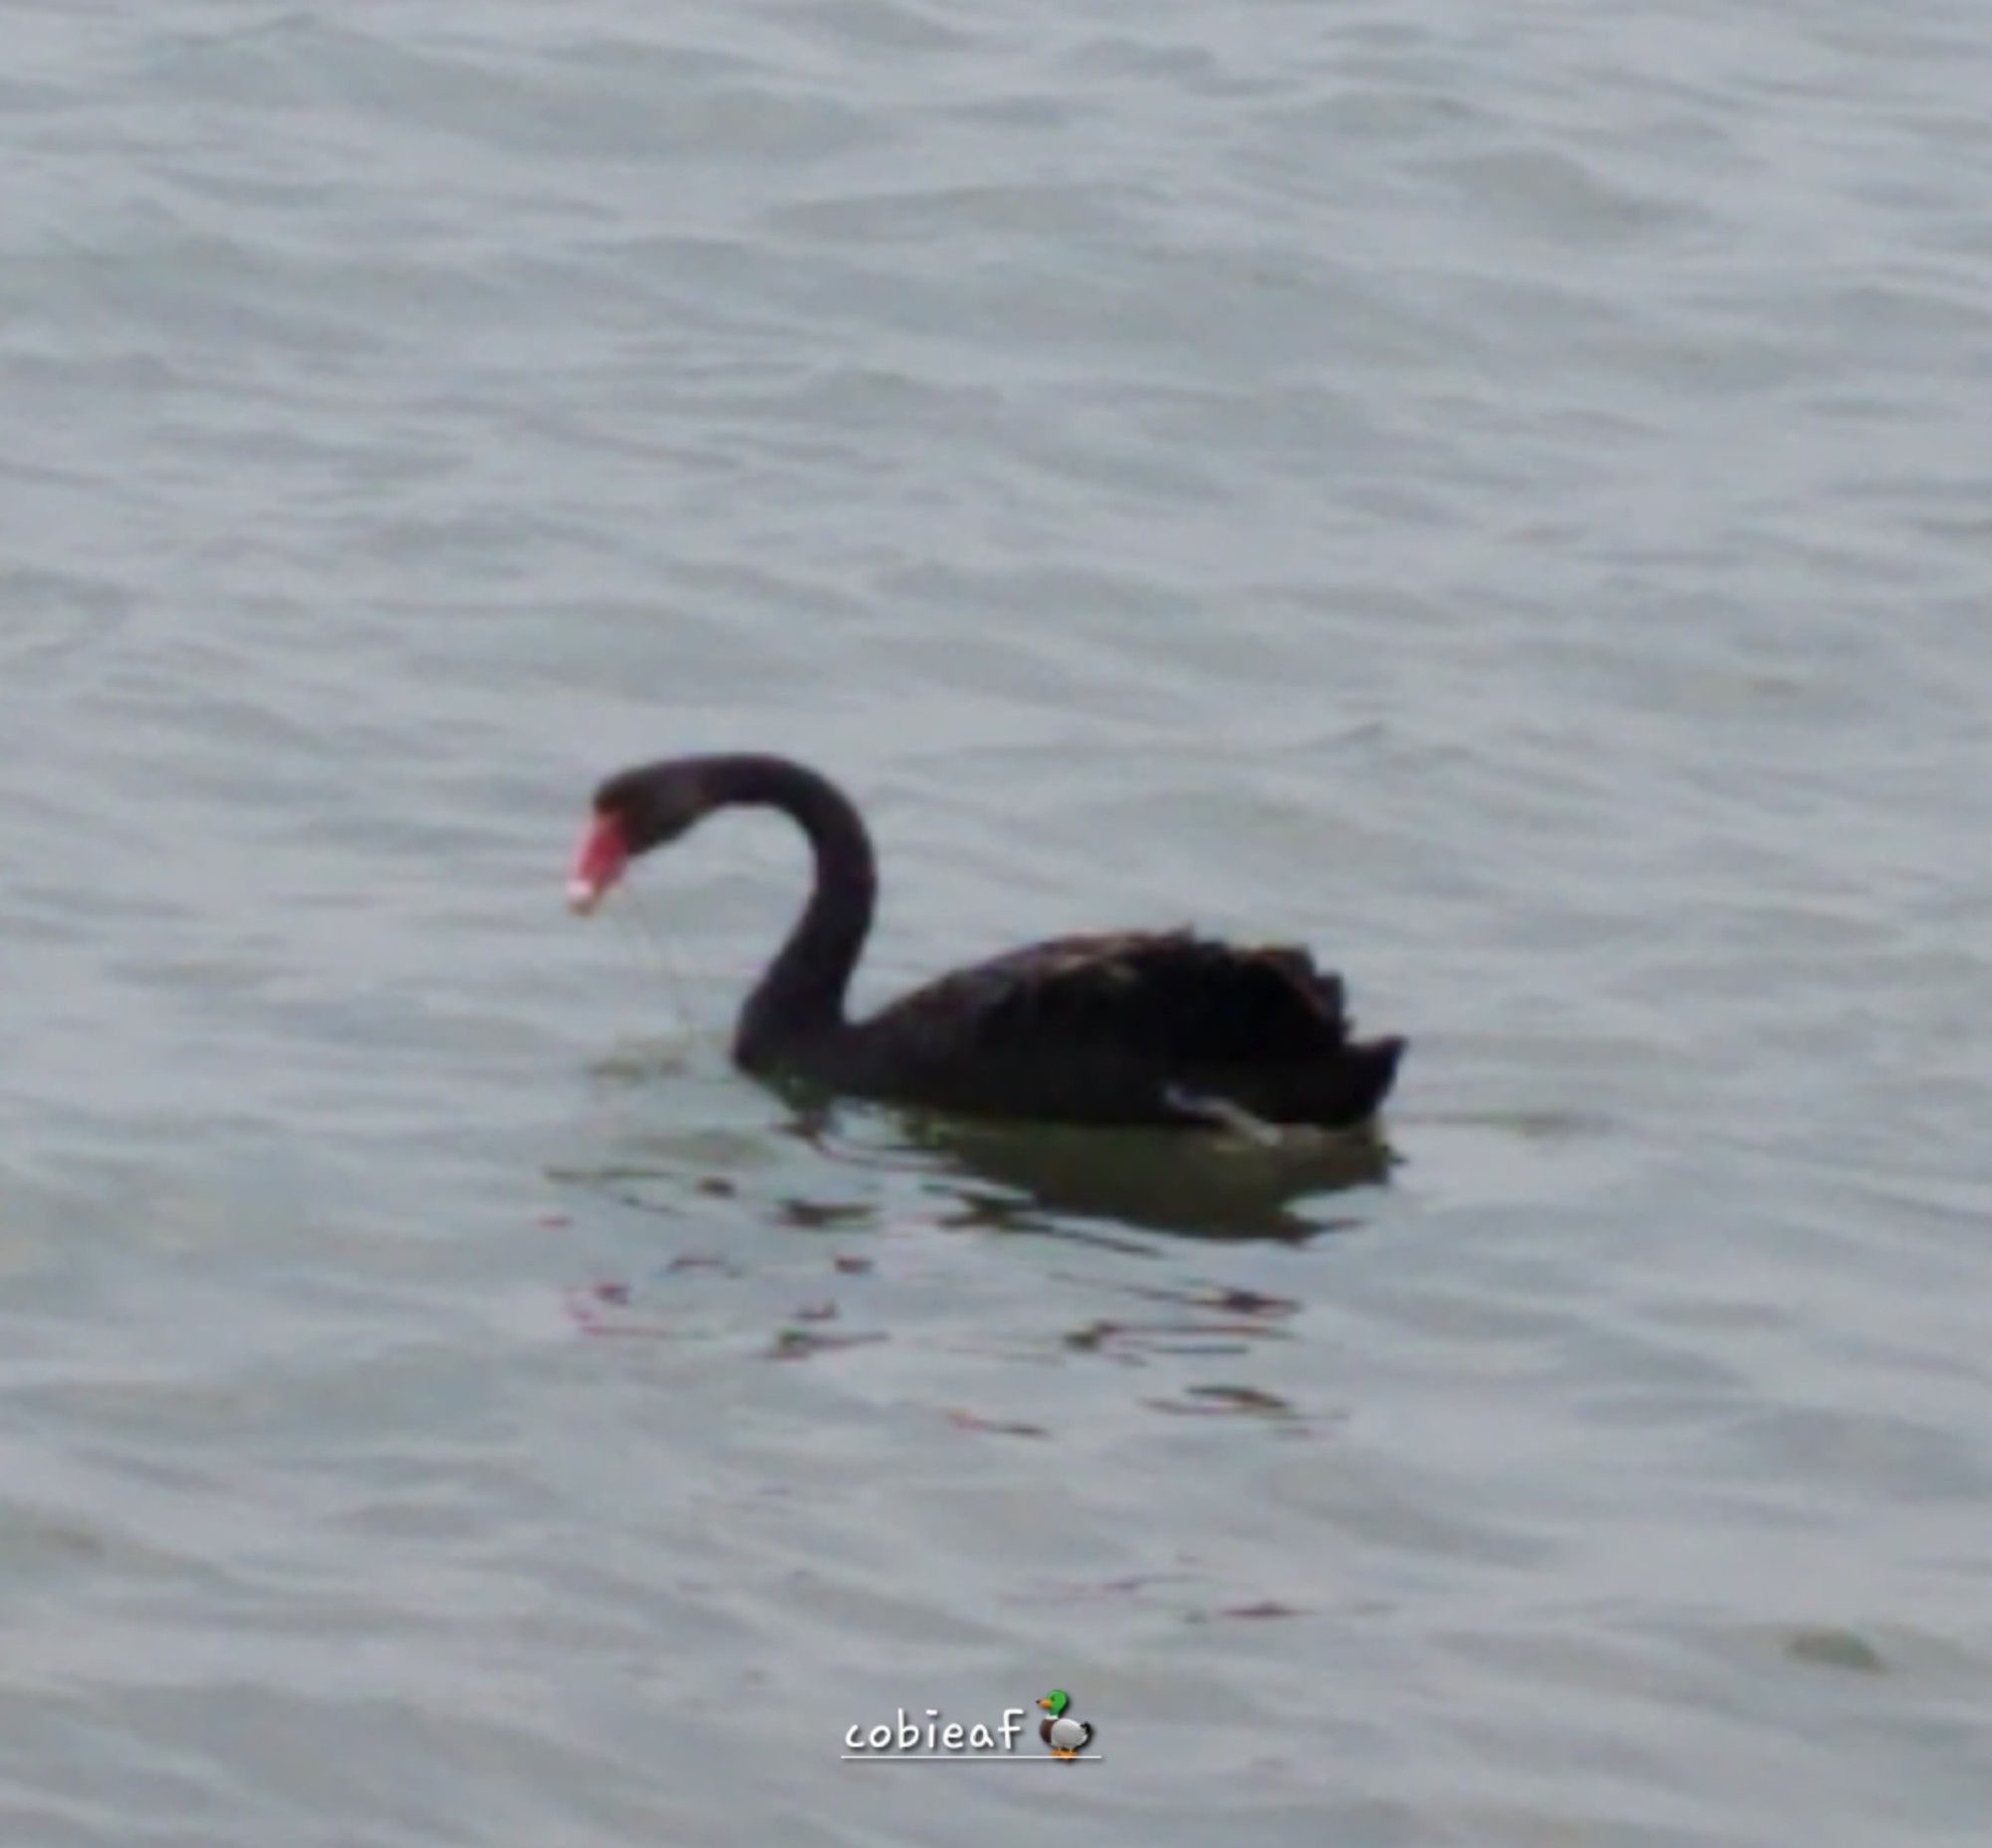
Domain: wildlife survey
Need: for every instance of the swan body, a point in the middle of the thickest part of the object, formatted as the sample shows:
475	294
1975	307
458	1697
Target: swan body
1124	1027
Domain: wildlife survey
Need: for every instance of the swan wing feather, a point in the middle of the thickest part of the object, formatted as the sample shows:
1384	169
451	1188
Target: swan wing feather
1173	994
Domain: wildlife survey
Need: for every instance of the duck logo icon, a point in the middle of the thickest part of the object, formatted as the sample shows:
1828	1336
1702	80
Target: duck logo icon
1066	1736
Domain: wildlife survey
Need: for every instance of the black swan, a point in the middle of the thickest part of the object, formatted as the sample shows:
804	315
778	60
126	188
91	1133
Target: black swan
1160	1028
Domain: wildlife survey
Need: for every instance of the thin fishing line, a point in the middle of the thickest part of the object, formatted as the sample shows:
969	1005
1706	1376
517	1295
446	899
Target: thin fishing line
630	940
656	940
628	943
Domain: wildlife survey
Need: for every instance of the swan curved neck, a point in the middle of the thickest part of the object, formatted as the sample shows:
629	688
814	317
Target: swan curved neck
803	991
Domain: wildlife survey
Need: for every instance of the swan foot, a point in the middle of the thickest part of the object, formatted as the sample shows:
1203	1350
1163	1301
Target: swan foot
1221	1113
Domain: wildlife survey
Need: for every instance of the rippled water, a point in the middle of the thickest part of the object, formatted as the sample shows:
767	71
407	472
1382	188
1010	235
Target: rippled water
1499	493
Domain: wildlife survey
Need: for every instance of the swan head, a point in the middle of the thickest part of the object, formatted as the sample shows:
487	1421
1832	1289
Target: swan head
634	811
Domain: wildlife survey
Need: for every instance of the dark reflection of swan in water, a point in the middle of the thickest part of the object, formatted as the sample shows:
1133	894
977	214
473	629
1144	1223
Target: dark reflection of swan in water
829	1173
1205	1186
1038	1178
1102	1186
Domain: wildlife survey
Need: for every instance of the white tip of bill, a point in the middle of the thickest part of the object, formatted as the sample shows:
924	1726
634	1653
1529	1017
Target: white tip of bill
583	897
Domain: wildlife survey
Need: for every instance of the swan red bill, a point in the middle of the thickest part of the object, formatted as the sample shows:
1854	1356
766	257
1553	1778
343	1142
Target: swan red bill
605	852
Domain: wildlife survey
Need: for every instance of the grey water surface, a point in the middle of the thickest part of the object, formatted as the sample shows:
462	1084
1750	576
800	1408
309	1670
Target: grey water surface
1498	493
